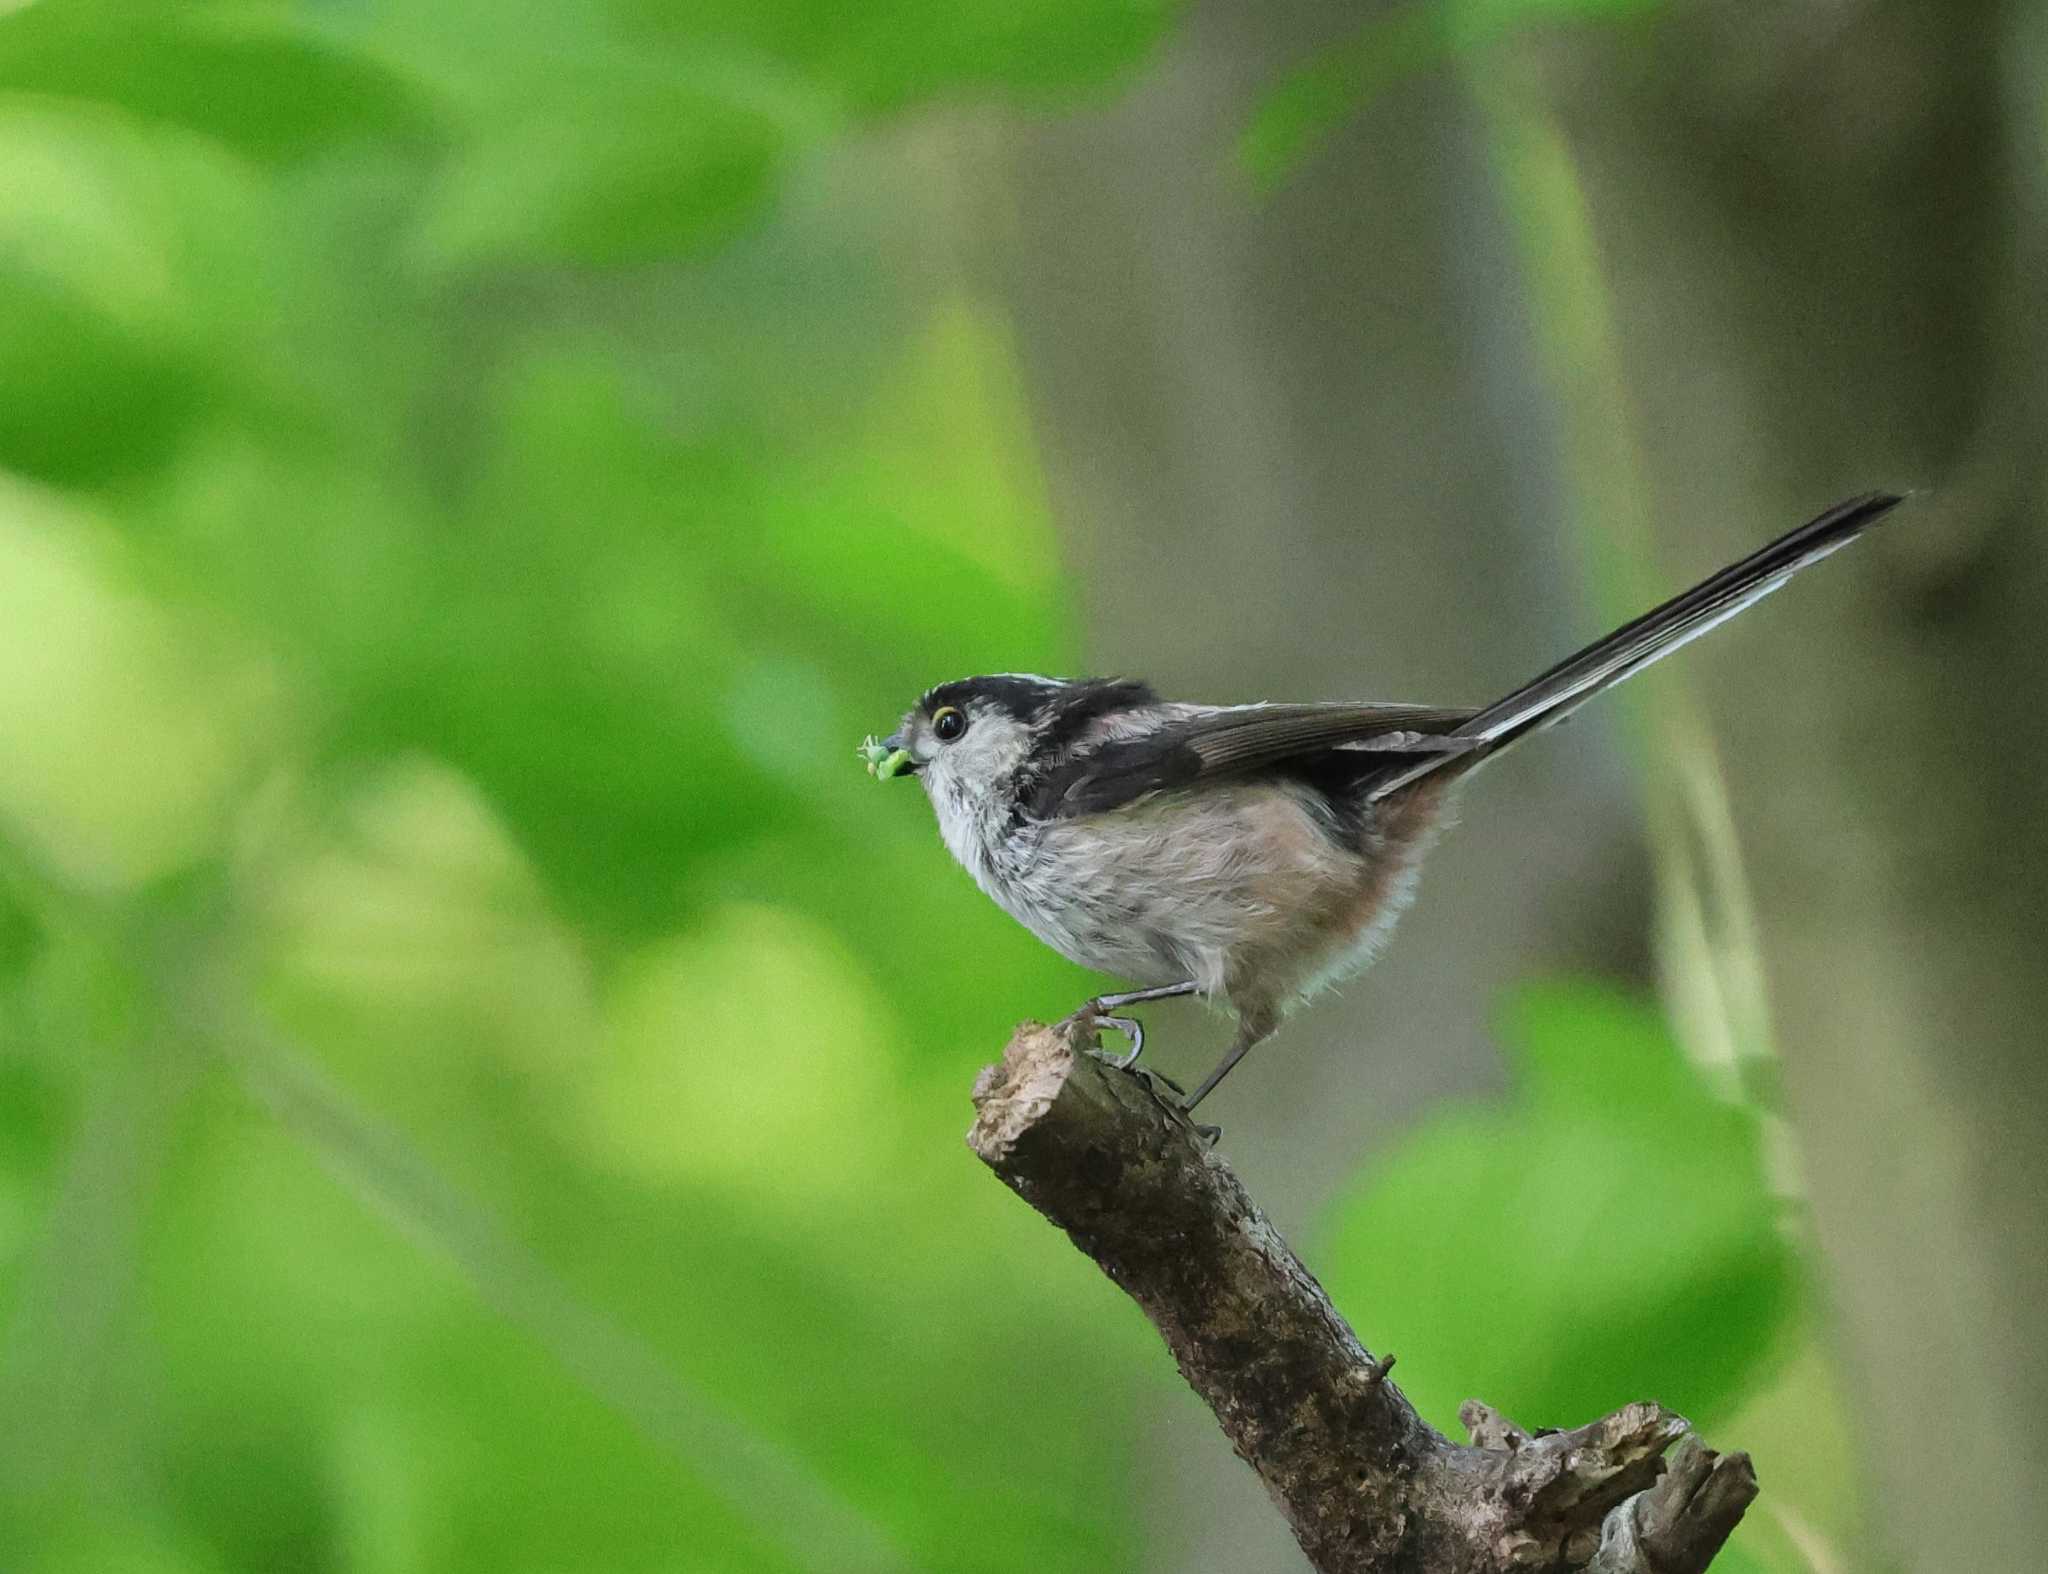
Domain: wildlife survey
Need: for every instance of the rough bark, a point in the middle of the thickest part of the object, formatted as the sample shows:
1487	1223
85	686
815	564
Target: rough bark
1366	1484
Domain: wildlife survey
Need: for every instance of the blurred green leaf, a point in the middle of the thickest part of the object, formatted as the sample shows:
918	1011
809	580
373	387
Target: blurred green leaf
74	1538
106	404
1314	100
886	54
131	730
143	288
1607	1237
606	161
253	79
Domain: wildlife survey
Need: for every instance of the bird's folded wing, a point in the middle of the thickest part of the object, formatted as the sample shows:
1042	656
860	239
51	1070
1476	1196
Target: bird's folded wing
1243	738
1238	741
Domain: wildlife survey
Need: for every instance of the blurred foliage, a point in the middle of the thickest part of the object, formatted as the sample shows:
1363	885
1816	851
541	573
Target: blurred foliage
476	488
1394	43
1607	1237
480	1066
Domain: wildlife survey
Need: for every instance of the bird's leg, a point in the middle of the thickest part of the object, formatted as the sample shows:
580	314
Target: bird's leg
1247	1035
1137	997
1100	1011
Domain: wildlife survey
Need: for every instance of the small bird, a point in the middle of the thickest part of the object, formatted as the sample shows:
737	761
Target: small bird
1255	852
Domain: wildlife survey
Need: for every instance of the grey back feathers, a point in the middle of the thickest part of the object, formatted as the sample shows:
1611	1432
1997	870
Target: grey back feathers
1195	745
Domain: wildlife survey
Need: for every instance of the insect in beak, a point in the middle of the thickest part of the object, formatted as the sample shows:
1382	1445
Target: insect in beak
887	758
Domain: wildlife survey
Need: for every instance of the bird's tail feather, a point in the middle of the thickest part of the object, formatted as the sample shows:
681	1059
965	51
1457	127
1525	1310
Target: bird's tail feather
1555	694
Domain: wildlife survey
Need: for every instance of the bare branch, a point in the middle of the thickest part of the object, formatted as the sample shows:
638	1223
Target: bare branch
1367	1486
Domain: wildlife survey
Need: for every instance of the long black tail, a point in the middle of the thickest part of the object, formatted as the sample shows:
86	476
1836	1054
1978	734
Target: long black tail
1555	694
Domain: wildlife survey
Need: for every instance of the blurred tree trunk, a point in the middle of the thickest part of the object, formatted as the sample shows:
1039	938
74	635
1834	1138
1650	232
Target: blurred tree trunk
1826	280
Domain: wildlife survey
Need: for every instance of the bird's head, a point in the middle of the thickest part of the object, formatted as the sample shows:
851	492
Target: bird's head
975	740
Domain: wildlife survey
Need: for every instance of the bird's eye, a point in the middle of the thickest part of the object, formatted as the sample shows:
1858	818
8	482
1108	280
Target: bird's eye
948	723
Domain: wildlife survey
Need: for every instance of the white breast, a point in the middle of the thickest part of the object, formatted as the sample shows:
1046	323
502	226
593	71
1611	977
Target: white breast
1163	890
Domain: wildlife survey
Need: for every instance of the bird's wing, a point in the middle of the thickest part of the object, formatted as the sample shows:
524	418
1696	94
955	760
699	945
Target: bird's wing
1240	740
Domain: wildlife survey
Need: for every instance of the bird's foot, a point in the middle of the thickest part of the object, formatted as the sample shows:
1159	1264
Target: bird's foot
1093	1015
1130	1027
1102	1012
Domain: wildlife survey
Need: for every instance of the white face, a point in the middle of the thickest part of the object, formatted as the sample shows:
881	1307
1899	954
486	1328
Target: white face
970	741
964	752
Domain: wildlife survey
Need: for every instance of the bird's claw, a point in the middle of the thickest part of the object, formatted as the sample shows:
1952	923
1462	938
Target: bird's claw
1131	1029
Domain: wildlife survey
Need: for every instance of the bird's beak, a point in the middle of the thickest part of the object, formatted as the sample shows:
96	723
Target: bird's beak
890	757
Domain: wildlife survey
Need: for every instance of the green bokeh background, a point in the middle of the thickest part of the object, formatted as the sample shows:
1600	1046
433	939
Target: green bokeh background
478	1087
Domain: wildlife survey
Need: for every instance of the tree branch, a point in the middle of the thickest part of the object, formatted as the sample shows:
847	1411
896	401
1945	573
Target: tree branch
1367	1485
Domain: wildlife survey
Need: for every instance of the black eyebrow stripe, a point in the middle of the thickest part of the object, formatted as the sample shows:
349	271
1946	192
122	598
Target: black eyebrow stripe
1021	698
